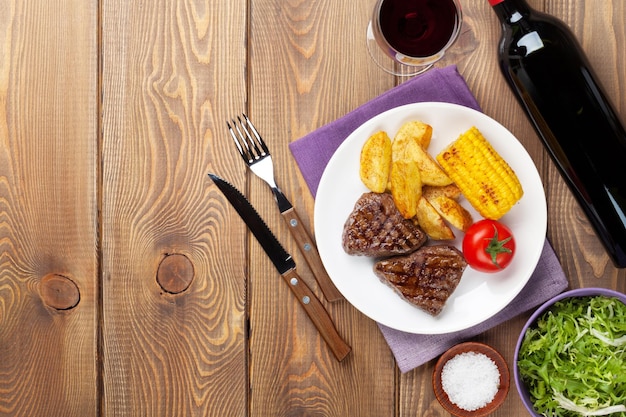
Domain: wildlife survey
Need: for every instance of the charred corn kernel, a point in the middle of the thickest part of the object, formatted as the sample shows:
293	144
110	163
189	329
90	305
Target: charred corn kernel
484	178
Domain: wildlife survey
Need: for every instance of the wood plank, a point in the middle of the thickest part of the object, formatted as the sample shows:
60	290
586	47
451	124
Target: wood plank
173	345
300	79
48	208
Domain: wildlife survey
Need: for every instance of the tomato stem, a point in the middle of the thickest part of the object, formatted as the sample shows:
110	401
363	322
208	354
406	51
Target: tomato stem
496	247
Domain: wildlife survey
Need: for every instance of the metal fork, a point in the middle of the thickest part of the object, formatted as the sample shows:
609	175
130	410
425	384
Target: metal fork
256	155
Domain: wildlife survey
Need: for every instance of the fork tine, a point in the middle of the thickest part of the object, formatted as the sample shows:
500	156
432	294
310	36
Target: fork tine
242	147
249	142
258	137
245	135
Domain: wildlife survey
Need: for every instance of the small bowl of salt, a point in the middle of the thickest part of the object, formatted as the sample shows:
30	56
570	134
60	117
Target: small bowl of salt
471	380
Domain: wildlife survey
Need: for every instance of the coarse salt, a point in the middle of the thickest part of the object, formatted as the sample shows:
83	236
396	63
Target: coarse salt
471	380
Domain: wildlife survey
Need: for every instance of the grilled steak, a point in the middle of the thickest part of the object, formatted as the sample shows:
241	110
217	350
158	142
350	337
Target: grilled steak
426	278
376	228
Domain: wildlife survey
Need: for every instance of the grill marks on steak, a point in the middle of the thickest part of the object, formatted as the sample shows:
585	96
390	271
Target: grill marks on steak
376	228
425	278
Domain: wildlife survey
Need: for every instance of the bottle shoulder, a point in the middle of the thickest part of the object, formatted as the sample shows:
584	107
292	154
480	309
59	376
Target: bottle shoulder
541	23
535	32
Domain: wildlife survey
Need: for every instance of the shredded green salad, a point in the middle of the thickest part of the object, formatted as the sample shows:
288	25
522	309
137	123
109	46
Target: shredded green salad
574	360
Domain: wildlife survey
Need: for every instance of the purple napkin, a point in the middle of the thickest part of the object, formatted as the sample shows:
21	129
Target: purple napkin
313	151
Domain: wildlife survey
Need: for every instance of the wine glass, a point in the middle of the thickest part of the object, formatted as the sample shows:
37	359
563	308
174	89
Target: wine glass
406	37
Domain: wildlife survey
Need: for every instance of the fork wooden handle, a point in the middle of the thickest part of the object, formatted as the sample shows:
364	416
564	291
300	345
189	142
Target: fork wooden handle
318	314
312	257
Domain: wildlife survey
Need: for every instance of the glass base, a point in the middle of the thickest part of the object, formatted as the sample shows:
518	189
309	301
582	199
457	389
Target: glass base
388	64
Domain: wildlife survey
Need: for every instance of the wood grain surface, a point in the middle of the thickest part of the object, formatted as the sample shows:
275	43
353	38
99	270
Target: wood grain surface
128	284
167	72
48	208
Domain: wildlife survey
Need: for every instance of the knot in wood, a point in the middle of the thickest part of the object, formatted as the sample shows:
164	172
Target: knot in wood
59	292
175	273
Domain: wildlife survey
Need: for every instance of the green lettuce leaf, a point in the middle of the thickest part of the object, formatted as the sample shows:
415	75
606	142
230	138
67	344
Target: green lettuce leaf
574	360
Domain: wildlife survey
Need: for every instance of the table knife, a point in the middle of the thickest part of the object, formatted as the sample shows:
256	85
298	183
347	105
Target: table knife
286	267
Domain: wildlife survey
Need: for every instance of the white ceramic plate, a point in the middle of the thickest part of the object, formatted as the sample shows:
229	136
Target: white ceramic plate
479	295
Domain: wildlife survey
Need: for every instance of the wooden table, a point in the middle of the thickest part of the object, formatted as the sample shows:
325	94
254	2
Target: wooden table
111	114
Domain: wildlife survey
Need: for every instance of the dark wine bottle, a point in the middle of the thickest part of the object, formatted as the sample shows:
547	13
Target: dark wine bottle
549	73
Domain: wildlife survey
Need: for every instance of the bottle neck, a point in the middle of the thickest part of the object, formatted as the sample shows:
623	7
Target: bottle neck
510	11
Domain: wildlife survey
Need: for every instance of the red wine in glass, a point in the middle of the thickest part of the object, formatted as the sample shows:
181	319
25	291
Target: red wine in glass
413	33
418	28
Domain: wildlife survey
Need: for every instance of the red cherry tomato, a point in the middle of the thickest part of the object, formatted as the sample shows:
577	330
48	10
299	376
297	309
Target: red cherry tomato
488	246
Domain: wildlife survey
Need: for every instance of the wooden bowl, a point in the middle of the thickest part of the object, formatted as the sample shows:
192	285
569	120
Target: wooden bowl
503	388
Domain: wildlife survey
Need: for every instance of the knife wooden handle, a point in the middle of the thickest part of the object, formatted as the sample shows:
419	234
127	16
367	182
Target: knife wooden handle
318	314
307	247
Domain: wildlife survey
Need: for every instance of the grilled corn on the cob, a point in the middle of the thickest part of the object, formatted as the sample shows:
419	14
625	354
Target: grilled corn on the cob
485	179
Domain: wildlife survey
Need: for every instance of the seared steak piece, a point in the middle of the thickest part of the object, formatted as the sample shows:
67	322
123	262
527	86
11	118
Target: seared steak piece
426	278
376	228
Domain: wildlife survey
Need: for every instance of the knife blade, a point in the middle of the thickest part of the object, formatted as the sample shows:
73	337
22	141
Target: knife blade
286	267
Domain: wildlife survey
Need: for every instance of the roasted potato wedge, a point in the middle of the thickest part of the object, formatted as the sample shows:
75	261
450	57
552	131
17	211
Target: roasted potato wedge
375	162
417	131
451	211
406	186
398	148
451	191
408	145
431	172
431	221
